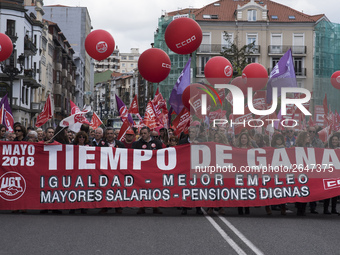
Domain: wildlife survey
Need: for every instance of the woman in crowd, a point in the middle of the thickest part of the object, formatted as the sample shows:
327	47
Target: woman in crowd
220	138
244	142
333	143
60	135
173	141
163	136
303	140
259	140
81	139
170	132
20	132
2	132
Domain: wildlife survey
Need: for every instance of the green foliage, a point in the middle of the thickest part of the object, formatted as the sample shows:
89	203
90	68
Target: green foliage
237	56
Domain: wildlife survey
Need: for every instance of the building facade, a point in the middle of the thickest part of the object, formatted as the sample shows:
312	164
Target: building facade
20	73
75	23
273	27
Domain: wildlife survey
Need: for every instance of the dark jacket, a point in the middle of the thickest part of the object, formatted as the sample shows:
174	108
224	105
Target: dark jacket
151	145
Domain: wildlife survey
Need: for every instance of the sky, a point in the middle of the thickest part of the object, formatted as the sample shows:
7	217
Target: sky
132	23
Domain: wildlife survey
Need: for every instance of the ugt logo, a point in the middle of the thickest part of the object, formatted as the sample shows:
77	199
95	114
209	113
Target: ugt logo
238	100
13	186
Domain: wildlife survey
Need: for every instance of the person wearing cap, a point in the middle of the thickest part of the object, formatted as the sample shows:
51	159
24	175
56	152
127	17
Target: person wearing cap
129	139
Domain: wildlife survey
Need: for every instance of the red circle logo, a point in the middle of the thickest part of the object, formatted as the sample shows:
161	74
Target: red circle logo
13	186
144	146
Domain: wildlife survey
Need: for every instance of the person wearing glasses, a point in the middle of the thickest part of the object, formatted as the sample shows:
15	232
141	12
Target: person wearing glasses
20	132
290	137
315	141
81	139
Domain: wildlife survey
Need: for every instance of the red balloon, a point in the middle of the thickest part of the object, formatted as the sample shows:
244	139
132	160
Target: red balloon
154	65
335	79
99	44
218	70
183	36
238	82
6	47
255	75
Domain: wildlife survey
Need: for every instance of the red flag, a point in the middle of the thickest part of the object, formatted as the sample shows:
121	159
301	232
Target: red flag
75	109
150	116
95	121
134	106
311	122
9	121
181	122
324	133
125	127
46	113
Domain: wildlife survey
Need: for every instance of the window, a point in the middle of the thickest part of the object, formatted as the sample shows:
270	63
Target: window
298	44
205	45
276	43
292	17
11	27
275	61
227	41
251	60
57	78
275	17
251	38
130	57
203	61
251	15
298	63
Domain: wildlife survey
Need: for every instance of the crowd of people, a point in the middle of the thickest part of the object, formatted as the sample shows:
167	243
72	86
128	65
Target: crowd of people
153	140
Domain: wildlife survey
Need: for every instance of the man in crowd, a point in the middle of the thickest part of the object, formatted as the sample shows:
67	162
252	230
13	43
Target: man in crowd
192	138
147	143
98	138
315	141
290	137
129	139
111	139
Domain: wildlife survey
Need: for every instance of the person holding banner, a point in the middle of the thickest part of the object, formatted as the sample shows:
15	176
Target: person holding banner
110	138
98	138
146	142
20	132
129	139
303	140
333	143
244	142
192	138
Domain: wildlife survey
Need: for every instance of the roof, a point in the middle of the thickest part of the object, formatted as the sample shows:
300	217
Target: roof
102	77
225	11
56	5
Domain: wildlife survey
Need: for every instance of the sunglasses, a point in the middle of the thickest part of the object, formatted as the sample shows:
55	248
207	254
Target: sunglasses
155	136
18	130
81	136
310	131
290	131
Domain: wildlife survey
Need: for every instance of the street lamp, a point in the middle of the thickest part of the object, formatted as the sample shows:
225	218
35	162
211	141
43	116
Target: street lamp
9	68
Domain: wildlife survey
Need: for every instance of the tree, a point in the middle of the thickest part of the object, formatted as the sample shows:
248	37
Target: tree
237	56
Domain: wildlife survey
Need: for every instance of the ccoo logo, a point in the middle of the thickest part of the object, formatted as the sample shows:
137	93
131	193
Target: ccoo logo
101	47
13	186
228	71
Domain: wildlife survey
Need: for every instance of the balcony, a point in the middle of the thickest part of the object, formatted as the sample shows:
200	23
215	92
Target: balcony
254	50
64	73
35	107
29	47
299	72
210	48
57	89
282	49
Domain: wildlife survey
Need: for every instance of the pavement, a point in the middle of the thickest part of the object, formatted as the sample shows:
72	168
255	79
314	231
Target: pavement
169	233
